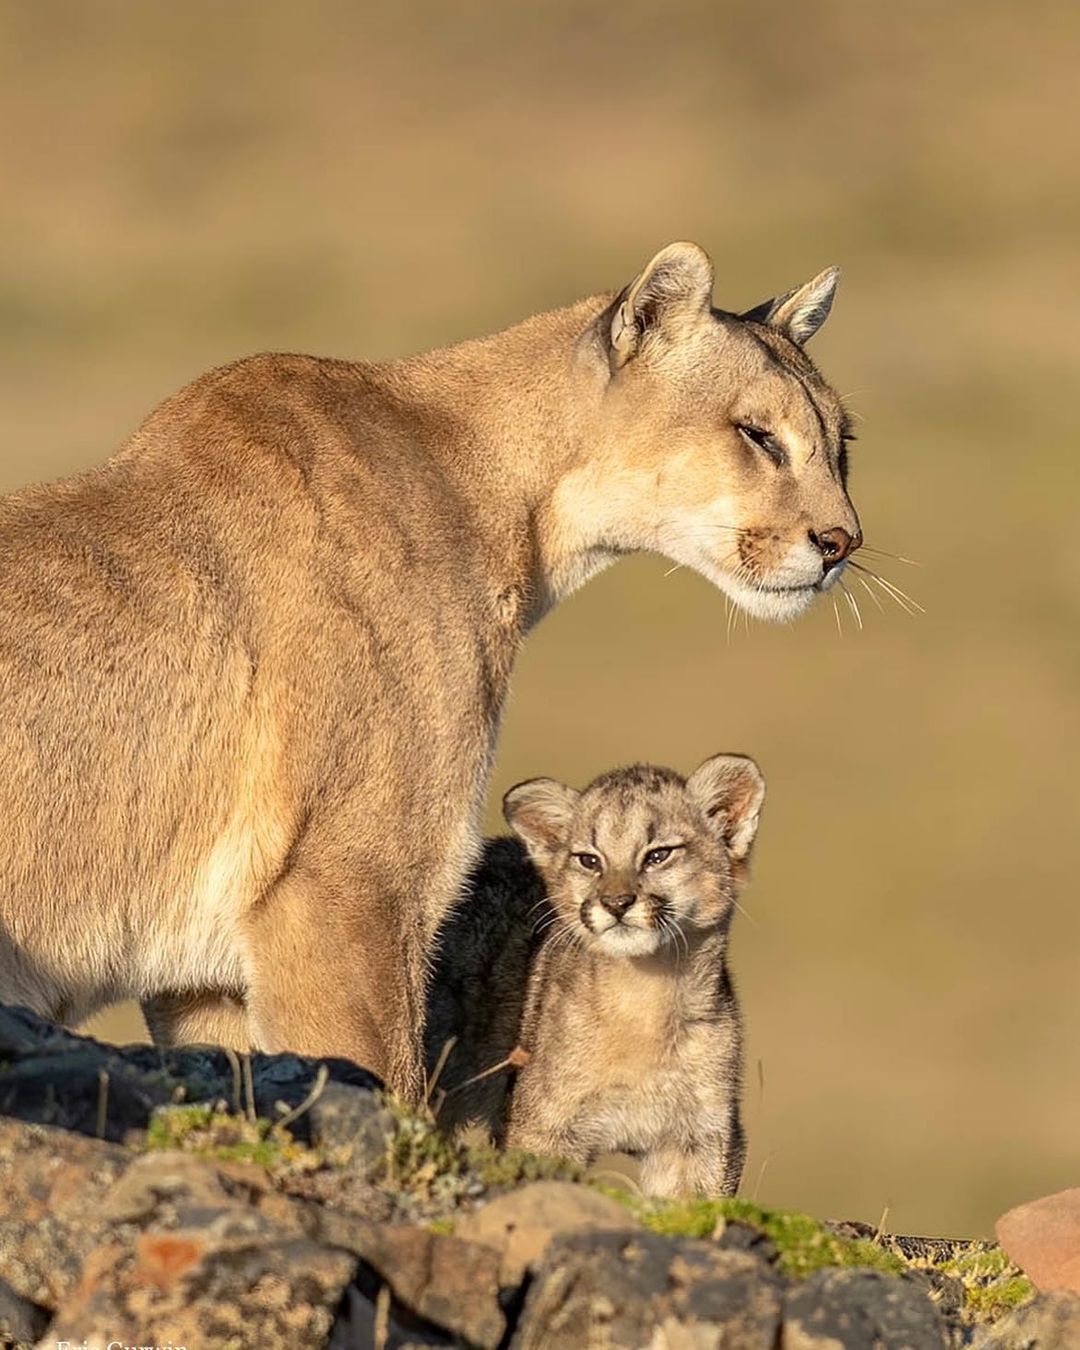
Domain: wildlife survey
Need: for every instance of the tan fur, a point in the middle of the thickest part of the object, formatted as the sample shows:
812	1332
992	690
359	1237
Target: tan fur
630	1023
252	668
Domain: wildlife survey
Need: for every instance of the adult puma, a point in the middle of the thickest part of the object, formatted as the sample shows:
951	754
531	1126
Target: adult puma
251	669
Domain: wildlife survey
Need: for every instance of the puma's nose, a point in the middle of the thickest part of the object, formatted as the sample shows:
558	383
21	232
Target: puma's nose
834	544
617	904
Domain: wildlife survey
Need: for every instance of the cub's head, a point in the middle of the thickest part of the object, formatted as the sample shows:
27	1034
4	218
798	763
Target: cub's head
717	442
642	857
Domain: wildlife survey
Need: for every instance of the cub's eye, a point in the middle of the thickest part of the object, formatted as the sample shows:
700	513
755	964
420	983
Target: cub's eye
656	856
764	441
589	861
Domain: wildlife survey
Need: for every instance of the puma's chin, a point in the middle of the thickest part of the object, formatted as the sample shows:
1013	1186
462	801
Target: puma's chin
778	602
774	604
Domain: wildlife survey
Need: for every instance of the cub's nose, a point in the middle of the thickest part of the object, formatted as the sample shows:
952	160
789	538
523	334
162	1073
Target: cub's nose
834	544
617	904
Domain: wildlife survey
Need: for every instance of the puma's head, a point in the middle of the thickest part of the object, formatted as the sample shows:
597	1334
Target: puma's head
642	857
717	442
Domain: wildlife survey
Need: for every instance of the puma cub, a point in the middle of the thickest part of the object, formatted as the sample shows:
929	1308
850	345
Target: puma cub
627	1024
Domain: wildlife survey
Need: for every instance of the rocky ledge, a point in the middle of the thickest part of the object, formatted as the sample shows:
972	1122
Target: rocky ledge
197	1199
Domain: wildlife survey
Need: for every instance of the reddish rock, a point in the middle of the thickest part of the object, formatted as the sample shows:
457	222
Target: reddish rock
1043	1239
53	1186
231	1278
204	1251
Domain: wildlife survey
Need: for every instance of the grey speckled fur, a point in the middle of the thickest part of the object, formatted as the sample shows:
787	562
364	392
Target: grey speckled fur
478	986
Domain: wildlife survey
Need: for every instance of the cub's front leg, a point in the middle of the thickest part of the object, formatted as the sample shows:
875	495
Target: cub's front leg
538	1122
710	1162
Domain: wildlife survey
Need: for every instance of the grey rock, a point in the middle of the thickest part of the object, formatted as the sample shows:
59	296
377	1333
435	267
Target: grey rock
352	1120
521	1223
860	1310
362	1324
635	1288
50	1076
1048	1322
744	1237
22	1322
443	1281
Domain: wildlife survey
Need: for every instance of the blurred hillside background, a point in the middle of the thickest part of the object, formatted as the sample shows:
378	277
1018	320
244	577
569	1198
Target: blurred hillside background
186	184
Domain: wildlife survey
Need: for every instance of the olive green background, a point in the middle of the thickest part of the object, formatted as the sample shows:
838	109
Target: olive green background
183	184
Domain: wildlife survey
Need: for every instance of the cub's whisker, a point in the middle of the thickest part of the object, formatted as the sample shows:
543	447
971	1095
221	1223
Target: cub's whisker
665	925
744	912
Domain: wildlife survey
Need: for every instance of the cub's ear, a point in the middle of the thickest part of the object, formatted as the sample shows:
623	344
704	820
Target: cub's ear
730	790
673	289
801	312
539	813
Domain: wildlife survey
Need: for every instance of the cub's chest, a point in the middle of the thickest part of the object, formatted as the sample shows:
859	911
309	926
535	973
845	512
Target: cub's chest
624	1037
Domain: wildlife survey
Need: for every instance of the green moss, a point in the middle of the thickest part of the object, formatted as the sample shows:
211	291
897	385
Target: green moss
226	1137
802	1244
423	1162
497	1169
418	1158
441	1227
992	1301
992	1285
171	1126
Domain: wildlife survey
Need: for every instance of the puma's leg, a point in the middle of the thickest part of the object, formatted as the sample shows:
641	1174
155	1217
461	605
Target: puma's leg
336	966
207	1018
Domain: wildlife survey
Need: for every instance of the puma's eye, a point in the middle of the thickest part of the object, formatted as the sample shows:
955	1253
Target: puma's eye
763	441
656	856
589	861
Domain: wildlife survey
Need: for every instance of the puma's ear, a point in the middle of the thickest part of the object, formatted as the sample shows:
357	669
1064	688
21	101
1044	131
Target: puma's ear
730	790
675	288
539	813
801	312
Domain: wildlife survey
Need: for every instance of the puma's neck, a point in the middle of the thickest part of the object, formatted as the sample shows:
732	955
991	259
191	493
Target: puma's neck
526	409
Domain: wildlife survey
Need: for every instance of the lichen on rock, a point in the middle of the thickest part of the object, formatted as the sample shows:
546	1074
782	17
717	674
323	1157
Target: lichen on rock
294	1204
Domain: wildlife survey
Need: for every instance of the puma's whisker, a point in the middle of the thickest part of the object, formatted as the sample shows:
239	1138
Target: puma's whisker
884	553
852	603
890	588
871	593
